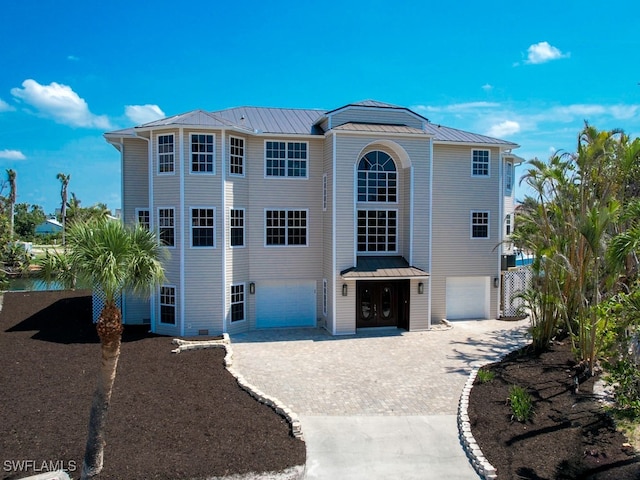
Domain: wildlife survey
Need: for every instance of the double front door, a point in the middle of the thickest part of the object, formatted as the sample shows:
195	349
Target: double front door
380	303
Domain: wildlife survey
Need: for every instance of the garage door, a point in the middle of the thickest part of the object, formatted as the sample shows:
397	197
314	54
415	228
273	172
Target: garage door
286	304
467	298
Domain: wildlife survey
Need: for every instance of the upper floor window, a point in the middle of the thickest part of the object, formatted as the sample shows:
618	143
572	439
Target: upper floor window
236	156
165	154
143	217
507	225
286	227
508	177
286	159
202	148
166	226
479	224
480	163
203	229
377	178
236	227
377	230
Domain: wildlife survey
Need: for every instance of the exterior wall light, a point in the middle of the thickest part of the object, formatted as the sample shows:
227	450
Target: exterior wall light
421	288
252	288
345	289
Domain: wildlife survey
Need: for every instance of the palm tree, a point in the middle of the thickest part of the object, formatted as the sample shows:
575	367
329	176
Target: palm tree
12	198
112	258
64	180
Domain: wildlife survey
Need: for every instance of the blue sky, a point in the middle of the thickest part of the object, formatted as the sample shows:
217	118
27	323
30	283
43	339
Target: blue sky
527	72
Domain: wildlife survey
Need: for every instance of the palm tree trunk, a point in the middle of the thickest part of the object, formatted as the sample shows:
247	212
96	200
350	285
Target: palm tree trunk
109	329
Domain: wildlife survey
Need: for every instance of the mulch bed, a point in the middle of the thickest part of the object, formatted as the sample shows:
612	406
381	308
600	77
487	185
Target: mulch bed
569	437
172	416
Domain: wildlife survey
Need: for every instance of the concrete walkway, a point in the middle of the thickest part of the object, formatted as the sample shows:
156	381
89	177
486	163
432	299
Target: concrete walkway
380	404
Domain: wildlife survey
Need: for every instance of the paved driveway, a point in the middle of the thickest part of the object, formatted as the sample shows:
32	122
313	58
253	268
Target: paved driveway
379	404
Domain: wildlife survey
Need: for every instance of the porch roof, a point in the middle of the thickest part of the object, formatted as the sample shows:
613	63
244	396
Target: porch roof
378	268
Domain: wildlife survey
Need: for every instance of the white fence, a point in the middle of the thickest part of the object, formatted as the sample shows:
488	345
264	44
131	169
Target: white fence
514	282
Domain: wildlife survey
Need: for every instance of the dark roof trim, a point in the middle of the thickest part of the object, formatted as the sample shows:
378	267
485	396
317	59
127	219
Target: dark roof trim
382	268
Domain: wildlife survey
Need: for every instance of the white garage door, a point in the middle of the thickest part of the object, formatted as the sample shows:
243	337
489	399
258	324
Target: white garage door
286	304
467	298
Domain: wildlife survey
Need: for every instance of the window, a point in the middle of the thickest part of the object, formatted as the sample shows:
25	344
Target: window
480	163
168	305
286	227
286	159
202	154
325	296
479	224
236	156
236	226
377	230
507	224
377	178
237	302
143	217
203	227
165	154
166	225
508	177
324	192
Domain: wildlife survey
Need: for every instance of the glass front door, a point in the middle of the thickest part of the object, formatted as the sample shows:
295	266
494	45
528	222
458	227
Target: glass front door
377	304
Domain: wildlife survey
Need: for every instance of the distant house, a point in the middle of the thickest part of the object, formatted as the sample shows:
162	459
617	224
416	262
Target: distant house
367	215
48	227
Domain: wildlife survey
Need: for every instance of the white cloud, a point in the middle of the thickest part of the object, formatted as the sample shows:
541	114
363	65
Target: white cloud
73	58
487	87
542	52
5	107
140	114
504	129
12	155
456	107
60	103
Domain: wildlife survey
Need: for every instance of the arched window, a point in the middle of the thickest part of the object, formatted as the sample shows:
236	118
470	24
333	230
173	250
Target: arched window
377	178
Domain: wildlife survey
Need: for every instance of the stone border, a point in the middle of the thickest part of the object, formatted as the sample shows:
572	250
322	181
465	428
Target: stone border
480	464
274	403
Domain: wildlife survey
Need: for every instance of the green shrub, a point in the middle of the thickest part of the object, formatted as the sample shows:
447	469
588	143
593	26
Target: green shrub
521	404
624	375
485	376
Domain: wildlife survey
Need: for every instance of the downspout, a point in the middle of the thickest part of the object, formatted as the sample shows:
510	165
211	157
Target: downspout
334	253
430	228
182	234
223	172
411	189
500	227
153	295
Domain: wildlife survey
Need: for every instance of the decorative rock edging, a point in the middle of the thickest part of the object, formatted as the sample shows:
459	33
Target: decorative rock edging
479	462
275	404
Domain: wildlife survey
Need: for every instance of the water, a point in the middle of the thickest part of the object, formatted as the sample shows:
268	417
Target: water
32	284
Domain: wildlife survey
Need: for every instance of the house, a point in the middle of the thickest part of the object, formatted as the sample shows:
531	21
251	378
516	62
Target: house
368	215
48	227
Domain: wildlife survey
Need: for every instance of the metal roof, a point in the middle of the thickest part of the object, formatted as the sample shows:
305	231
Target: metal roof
382	267
453	135
274	120
379	128
292	121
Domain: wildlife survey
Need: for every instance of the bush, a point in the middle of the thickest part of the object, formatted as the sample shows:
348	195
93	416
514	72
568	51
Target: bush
624	375
521	404
485	376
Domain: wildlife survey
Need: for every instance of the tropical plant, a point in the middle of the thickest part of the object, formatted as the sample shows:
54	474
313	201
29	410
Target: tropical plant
484	375
27	218
112	258
56	267
64	184
11	176
521	404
